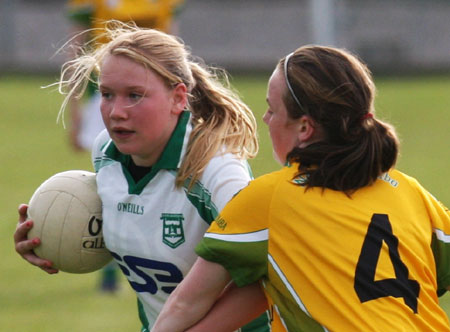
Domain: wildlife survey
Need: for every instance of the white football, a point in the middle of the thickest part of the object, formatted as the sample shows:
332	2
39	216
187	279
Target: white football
67	215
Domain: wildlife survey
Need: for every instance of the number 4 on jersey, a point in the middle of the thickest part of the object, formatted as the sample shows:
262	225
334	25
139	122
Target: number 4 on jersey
366	287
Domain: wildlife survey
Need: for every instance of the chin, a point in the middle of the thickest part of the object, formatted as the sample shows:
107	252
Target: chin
125	148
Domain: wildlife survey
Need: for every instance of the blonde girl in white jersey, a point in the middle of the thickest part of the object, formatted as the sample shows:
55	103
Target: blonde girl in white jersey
173	155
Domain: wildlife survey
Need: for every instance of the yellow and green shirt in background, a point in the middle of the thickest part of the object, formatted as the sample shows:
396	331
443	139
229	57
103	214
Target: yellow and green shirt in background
156	14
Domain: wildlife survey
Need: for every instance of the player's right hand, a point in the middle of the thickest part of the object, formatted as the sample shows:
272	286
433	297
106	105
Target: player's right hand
25	247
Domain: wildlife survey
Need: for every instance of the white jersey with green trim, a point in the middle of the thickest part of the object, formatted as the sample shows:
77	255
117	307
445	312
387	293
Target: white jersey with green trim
151	227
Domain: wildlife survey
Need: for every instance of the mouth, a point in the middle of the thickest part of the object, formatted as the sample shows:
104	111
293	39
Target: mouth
122	133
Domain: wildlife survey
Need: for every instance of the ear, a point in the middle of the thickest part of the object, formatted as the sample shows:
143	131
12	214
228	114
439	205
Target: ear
307	131
179	95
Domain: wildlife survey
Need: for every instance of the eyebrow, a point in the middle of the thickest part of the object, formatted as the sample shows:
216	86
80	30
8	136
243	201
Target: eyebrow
133	87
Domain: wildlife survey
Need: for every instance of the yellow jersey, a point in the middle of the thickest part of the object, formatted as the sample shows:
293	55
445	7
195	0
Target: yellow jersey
374	261
156	14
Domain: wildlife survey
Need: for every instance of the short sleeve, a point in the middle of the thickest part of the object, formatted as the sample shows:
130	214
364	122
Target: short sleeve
238	238
97	154
225	175
440	216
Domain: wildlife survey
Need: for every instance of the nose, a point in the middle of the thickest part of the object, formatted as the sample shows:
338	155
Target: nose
118	110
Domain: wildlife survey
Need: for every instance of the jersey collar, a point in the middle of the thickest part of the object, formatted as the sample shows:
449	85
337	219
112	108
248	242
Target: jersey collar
172	154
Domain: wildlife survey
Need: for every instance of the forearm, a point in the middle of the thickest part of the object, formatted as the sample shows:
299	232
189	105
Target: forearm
235	308
179	313
193	297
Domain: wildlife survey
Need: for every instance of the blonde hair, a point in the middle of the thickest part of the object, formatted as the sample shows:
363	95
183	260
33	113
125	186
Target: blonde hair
222	122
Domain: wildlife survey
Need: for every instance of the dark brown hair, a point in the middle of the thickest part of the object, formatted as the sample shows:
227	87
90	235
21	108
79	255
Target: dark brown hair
336	90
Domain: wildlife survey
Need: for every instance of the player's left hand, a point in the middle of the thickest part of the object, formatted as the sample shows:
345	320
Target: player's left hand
25	247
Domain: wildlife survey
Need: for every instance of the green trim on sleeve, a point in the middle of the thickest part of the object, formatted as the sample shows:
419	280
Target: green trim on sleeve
441	252
245	261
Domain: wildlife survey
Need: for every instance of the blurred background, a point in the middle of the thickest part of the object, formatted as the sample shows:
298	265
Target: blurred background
401	36
406	44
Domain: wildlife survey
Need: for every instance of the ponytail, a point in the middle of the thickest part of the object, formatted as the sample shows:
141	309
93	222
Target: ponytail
351	165
336	90
222	122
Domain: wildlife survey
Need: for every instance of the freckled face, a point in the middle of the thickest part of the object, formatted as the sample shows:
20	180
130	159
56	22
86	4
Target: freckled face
283	130
139	111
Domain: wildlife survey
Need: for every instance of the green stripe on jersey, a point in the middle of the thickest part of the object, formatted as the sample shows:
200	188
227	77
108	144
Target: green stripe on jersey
260	324
294	317
102	162
200	197
142	317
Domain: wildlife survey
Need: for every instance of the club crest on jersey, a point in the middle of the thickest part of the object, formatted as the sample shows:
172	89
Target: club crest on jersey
173	232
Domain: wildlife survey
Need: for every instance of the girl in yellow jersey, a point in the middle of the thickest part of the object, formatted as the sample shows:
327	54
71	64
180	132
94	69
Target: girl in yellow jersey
338	239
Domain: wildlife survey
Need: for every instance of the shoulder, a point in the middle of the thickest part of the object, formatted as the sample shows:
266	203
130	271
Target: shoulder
272	180
261	190
227	164
97	148
414	191
404	182
224	176
100	141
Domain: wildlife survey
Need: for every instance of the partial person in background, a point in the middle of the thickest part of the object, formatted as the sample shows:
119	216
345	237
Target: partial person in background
339	239
175	151
85	118
86	122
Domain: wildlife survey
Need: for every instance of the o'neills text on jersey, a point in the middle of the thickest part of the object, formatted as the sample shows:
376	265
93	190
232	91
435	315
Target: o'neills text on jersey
130	208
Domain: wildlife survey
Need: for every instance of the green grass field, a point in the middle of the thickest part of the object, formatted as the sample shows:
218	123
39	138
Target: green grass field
34	147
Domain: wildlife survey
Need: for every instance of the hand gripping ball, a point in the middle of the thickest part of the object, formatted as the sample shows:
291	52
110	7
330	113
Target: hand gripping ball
67	215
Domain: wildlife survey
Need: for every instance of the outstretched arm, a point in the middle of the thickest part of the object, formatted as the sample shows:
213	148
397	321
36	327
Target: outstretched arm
193	297
235	308
195	304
